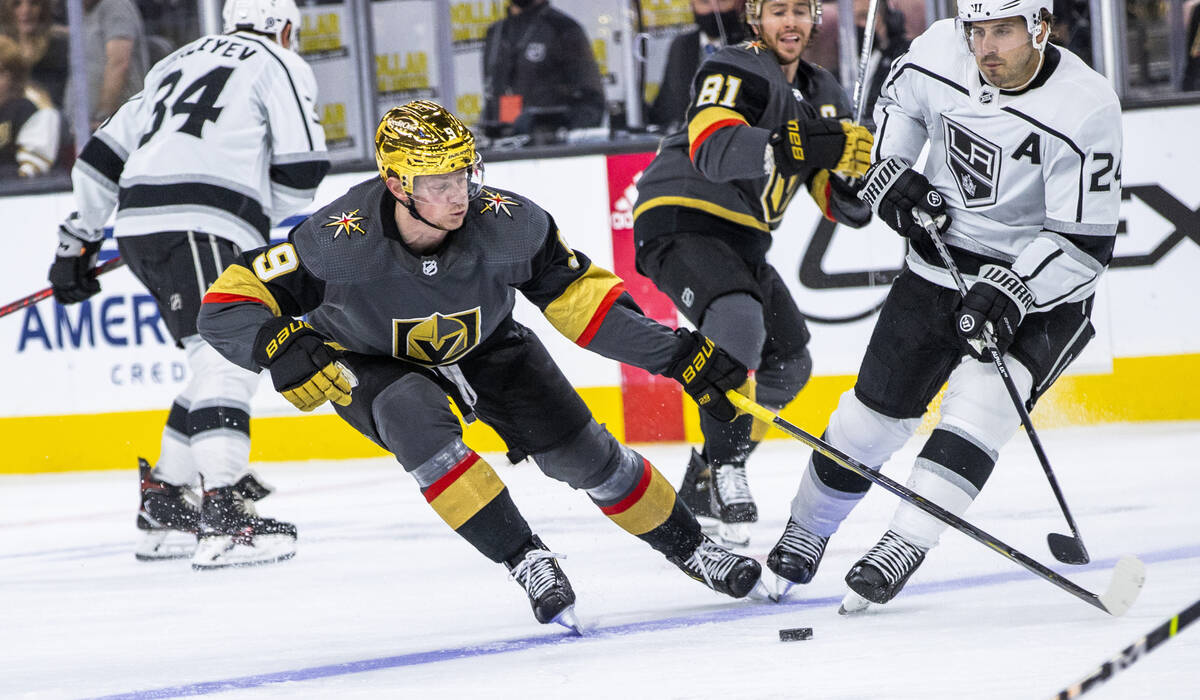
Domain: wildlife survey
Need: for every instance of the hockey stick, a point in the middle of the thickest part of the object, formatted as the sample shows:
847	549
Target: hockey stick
106	266
864	59
1128	575
1068	549
1132	653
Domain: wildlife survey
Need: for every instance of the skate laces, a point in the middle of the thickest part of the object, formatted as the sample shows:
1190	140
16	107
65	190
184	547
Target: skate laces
894	556
711	561
732	485
797	540
536	571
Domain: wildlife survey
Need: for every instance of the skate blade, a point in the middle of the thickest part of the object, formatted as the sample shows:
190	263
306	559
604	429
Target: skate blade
782	587
165	544
853	604
709	526
567	618
761	593
734	534
222	552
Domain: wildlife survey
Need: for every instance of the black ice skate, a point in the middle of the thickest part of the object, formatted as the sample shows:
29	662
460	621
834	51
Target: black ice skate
882	572
795	558
167	517
232	533
722	570
694	490
550	593
732	504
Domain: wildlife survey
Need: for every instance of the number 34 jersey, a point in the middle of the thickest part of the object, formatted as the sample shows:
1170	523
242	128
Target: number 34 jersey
223	139
1031	176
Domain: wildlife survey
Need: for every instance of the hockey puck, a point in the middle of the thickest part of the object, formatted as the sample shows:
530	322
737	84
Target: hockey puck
795	634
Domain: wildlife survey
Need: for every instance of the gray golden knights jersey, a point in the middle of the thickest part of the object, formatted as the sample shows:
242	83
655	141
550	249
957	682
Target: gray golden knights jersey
1032	177
224	139
715	165
363	289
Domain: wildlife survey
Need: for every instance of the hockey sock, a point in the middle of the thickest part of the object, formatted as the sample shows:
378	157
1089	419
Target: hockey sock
476	504
175	464
819	507
950	471
220	435
647	507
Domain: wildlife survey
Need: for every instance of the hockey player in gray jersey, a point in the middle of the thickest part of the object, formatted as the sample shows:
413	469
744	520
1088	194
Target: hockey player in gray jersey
762	123
1023	181
408	282
223	141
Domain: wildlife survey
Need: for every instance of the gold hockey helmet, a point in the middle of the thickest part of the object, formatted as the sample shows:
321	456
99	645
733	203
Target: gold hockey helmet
754	10
423	138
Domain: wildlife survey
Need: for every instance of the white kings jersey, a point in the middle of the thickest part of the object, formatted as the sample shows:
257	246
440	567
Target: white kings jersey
1031	177
223	139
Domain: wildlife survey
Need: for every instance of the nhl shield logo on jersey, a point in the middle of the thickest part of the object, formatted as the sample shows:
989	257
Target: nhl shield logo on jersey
975	162
437	339
346	223
429	267
496	202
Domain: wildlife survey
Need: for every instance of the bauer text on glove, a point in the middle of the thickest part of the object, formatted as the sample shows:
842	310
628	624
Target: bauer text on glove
303	368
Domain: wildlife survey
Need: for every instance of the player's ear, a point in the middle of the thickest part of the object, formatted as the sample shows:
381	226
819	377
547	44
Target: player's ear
397	190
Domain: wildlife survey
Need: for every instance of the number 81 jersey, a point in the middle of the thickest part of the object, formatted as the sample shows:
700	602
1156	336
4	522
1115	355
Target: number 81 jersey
223	139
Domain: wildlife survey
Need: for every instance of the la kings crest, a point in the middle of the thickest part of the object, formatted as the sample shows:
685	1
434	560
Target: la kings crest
975	162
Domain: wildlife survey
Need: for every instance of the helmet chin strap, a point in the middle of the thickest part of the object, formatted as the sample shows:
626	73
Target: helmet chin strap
411	206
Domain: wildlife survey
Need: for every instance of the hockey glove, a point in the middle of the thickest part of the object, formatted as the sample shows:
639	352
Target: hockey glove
71	274
706	373
817	143
894	190
998	302
303	368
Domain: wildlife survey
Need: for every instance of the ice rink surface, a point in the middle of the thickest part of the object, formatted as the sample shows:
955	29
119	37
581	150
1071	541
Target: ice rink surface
383	600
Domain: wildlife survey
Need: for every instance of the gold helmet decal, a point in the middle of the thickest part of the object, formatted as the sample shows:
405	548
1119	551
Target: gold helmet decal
422	138
437	339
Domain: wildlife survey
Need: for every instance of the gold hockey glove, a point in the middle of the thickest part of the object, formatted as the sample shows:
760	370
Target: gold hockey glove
303	368
706	373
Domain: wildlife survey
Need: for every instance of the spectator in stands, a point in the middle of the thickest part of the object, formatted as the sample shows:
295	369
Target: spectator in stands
539	73
29	124
718	23
30	23
1191	66
117	59
1072	28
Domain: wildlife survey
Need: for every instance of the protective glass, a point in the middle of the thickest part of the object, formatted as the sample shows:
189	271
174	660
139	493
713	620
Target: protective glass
984	38
448	188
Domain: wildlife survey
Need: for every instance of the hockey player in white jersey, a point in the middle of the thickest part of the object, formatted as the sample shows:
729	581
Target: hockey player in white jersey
223	141
1023	181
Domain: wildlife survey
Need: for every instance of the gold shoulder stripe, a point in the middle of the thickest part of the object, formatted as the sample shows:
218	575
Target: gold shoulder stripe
238	281
572	312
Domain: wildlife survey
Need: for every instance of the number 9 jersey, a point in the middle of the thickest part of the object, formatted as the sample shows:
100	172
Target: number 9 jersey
223	139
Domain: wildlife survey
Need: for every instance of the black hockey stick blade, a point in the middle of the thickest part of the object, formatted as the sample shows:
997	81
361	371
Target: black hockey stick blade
1132	653
106	266
1067	548
1128	575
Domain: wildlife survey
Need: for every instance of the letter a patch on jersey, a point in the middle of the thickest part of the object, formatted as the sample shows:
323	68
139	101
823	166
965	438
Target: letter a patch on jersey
975	162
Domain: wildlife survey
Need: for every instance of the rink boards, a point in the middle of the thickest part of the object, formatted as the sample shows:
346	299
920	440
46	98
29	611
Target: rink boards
87	386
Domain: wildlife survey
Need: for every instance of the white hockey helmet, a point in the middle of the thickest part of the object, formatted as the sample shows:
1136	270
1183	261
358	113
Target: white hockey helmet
982	10
270	17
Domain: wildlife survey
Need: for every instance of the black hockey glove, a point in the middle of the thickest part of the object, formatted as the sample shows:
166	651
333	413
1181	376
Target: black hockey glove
706	373
818	143
998	302
894	190
71	275
303	368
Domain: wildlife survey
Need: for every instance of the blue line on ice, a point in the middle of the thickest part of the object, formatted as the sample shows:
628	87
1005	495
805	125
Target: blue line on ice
735	612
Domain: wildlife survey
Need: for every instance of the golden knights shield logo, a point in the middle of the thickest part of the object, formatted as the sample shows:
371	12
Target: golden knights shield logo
437	339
